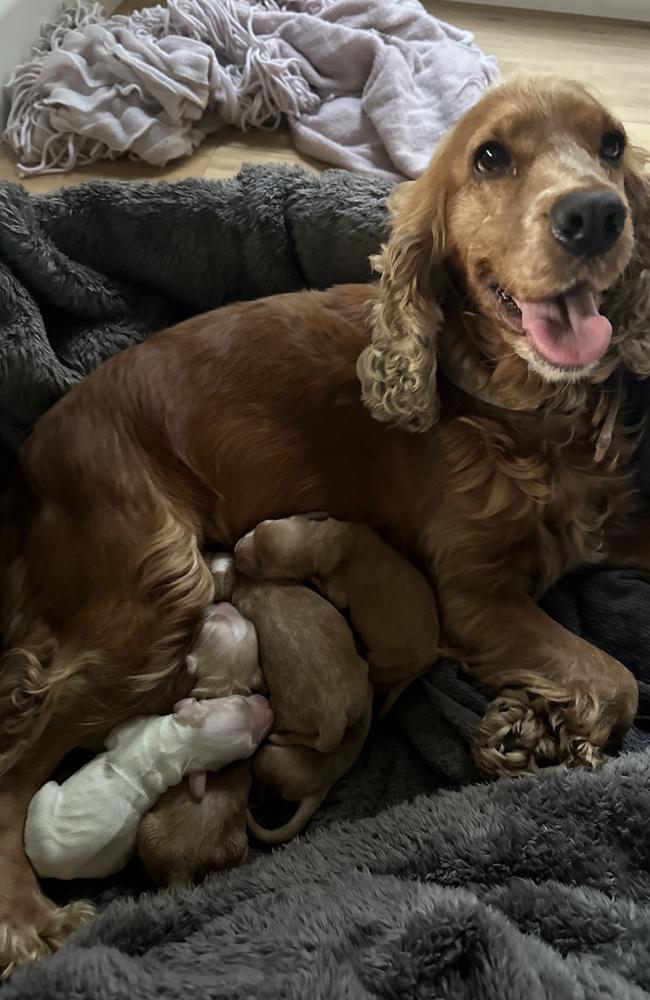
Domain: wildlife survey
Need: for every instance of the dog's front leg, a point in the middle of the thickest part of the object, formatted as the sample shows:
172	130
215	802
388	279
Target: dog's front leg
560	698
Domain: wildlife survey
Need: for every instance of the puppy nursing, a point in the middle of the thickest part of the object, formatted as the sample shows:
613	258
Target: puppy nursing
391	605
317	682
87	826
272	635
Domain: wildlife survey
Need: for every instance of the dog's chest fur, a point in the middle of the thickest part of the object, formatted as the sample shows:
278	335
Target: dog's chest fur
528	499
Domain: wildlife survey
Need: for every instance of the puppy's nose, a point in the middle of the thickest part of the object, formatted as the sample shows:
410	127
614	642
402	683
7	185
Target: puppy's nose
587	223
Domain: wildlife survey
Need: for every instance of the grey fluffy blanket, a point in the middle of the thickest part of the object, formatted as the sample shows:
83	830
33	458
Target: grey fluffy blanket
415	881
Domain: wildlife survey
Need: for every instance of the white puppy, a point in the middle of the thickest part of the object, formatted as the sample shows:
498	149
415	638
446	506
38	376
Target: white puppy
87	827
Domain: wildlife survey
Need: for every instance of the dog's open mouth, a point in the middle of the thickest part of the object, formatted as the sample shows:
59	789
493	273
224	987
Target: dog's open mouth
566	330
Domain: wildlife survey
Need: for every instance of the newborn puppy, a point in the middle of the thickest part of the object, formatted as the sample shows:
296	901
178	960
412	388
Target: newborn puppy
180	840
305	776
317	682
391	606
224	659
87	827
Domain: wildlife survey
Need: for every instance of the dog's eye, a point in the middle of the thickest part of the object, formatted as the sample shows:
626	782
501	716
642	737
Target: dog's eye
491	157
612	146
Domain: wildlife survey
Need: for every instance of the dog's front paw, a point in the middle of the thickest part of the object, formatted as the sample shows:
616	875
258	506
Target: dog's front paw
522	732
35	927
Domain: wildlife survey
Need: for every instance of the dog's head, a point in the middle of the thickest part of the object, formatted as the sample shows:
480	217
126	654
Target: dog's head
532	205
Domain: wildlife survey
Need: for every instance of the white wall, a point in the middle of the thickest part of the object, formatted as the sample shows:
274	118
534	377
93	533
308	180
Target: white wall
635	10
20	21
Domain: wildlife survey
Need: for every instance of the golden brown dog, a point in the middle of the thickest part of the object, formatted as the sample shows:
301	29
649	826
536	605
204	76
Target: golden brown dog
224	658
533	214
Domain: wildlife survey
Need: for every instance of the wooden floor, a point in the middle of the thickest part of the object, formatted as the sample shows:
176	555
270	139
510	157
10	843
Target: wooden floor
613	57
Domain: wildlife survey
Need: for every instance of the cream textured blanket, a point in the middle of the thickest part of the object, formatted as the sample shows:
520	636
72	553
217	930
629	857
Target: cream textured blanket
364	85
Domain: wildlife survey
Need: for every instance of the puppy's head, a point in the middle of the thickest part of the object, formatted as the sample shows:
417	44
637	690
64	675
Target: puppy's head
278	549
527	218
226	645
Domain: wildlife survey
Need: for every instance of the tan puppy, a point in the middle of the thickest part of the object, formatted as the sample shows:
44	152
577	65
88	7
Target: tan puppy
391	606
305	776
181	840
224	659
317	682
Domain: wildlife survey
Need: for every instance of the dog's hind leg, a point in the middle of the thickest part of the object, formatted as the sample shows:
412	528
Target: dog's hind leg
115	659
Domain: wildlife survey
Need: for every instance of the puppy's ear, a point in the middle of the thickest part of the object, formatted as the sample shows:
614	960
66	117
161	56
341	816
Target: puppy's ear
628	304
397	370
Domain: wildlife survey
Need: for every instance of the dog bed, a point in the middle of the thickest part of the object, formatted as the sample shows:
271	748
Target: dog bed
416	878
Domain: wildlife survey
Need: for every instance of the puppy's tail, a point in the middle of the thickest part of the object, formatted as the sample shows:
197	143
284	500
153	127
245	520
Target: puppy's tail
291	829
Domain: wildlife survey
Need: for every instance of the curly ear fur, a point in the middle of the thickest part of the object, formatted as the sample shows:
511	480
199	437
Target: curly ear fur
397	370
628	305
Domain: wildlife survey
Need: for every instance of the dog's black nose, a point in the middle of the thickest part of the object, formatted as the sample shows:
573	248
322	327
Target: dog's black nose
587	223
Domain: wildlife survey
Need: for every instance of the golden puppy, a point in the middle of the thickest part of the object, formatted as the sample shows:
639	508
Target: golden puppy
317	682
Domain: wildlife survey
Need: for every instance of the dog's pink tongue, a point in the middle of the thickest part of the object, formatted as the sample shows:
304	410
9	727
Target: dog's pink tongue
568	329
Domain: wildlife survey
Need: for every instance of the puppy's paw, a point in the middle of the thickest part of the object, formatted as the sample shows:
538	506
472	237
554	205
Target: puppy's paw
190	712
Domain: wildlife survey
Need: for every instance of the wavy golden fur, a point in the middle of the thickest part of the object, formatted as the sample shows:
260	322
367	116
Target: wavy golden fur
517	472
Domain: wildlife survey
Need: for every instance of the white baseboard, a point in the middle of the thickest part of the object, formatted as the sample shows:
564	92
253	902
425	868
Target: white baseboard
20	22
632	10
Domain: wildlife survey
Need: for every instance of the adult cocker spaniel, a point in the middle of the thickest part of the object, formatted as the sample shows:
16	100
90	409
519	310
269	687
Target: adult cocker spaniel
469	406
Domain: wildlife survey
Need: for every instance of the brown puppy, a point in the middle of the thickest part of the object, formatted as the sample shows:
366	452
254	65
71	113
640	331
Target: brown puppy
317	681
181	840
391	605
302	775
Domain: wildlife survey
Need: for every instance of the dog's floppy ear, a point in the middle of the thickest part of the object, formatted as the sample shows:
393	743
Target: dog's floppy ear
397	370
628	305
